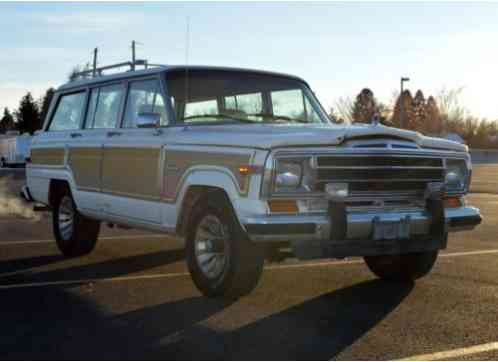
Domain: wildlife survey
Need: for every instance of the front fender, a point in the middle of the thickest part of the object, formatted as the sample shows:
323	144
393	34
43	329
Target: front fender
222	179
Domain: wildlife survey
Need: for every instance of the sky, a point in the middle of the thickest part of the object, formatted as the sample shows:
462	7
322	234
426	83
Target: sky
339	48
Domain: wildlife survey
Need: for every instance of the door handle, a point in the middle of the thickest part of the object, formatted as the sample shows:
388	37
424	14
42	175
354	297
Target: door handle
74	135
113	133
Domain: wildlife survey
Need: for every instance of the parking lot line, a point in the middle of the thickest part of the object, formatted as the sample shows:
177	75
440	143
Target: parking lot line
451	354
46	241
94	280
467	253
172	275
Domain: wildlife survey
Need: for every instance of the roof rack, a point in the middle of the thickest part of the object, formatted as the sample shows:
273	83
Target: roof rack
98	72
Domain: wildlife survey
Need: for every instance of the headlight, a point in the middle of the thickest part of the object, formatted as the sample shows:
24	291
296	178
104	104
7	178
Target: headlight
293	175
457	175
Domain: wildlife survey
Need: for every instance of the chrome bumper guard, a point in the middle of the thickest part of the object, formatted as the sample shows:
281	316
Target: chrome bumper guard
312	236
343	231
359	225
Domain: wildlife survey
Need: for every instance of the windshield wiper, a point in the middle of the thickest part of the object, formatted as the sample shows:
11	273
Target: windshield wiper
219	116
277	117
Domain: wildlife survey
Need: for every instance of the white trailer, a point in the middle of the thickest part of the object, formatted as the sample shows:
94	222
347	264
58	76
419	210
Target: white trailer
14	149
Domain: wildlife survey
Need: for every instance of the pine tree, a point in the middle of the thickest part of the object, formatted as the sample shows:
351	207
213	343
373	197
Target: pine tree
7	121
44	103
364	107
407	111
28	115
419	113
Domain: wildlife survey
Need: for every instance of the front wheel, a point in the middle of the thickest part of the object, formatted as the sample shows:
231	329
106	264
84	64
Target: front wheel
221	259
75	234
403	267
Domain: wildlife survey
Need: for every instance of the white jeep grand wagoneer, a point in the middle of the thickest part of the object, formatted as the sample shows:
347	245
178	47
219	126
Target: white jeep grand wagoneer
241	164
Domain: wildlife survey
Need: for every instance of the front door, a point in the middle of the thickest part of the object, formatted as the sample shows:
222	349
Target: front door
132	177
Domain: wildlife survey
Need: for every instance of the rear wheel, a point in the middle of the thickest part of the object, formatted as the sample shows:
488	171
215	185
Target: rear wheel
2	163
221	259
404	267
75	234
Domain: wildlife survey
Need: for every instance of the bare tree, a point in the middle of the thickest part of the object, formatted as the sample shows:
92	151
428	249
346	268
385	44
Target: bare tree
343	109
450	109
73	74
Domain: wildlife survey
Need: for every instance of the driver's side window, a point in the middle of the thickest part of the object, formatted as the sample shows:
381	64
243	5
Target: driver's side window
144	97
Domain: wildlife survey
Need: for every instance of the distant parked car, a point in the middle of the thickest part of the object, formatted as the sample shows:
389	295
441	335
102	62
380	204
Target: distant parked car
14	149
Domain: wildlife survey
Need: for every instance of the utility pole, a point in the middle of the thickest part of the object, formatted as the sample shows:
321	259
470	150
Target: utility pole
401	101
95	53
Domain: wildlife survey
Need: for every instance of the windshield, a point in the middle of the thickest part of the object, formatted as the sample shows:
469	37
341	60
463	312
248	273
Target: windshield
216	96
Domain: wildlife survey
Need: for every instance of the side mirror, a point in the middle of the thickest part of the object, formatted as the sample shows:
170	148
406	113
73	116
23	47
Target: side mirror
148	120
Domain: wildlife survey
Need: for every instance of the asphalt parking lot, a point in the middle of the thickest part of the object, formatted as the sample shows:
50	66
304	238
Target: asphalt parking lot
132	298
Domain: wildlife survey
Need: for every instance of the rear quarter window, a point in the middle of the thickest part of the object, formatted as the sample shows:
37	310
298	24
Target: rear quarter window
68	113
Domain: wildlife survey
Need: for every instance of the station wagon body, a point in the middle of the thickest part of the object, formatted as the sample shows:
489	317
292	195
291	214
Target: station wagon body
241	164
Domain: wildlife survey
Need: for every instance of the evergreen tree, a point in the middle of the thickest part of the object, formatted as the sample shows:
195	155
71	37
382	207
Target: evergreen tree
7	121
364	107
407	111
28	115
44	103
419	113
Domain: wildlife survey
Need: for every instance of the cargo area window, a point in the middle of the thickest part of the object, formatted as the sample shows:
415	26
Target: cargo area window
144	97
104	106
203	107
69	112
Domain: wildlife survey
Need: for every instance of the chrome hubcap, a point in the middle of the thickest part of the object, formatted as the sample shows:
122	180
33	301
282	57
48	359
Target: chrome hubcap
212	247
66	218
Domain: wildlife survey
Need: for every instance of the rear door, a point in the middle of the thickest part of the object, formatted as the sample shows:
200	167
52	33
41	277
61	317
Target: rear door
85	157
133	156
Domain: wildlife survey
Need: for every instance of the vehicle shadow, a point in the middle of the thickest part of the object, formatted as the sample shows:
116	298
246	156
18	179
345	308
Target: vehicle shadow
20	264
317	329
105	269
62	325
63	322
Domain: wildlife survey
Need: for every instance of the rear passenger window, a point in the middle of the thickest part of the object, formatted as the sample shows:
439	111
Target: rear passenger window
144	97
68	113
105	103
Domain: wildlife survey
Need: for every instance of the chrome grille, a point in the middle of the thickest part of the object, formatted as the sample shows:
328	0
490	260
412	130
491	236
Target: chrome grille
387	175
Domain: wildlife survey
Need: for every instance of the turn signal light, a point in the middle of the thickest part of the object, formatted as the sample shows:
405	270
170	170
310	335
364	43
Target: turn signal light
452	202
289	206
248	169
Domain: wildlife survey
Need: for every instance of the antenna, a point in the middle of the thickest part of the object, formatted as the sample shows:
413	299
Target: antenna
187	46
95	53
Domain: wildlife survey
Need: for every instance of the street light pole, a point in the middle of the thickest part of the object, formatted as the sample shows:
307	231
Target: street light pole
401	101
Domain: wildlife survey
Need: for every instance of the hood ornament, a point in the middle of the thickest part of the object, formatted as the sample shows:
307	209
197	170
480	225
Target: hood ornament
375	120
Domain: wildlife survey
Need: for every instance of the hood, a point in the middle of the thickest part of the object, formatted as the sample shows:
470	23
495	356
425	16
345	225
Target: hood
270	136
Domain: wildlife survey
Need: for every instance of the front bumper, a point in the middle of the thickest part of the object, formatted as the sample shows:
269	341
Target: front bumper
359	227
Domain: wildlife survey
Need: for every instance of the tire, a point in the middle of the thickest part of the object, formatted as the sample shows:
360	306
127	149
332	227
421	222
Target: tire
404	267
75	234
237	268
2	163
